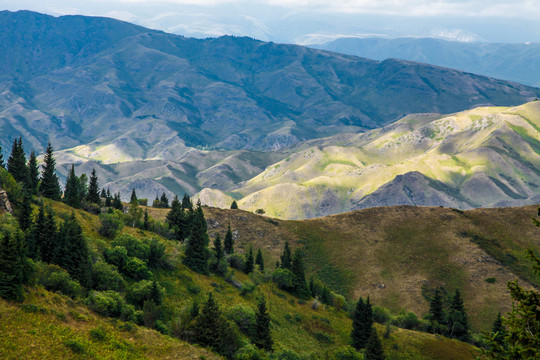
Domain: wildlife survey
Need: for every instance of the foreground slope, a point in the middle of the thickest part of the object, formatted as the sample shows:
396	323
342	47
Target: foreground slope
488	156
395	254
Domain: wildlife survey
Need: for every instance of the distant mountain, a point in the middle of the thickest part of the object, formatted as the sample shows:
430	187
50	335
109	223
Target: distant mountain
486	157
126	93
514	62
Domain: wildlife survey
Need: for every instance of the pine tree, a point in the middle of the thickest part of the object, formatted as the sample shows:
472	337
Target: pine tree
133	199
197	254
82	187
177	220
108	198
71	193
16	164
117	202
229	241
458	324
2	163
248	268
259	260
261	334
218	248
11	266
146	220
93	190
436	309
33	174
164	200
74	249
155	293
297	268
286	257
49	186
186	203
362	324
499	330
103	194
25	213
43	236
234	205
374	349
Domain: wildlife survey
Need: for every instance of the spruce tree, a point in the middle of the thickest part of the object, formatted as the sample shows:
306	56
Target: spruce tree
75	254
117	202
248	268
2	163
186	202
374	349
261	334
82	187
49	186
164	201
259	260
43	236
155	293
458	324
362	324
133	199
25	213
197	254
286	257
108	198
16	164
234	205
177	220
499	330
218	248
297	268
71	193
33	174
11	266
146	220
229	241
103	194
93	190
436	310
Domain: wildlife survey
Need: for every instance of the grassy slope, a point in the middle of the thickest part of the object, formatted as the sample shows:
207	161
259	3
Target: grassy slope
50	331
390	253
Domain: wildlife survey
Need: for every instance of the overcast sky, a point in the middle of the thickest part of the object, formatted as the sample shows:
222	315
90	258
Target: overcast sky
305	21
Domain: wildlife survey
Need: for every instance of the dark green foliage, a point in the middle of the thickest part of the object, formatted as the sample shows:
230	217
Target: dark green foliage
2	163
111	224
194	309
436	310
347	353
286	257
234	205
156	254
71	193
457	322
49	186
218	264
133	199
16	164
362	324
106	277
259	260
237	261
110	303
499	330
186	203
12	263
178	220
33	174
164	200
25	211
374	350
146	220
54	278
248	267
117	202
284	279
108	198
145	290
93	189
261	333
297	268
43	235
197	254
229	241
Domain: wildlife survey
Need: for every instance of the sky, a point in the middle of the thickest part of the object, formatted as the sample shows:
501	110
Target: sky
312	21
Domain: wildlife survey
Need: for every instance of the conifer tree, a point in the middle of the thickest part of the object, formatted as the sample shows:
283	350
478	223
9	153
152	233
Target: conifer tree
229	241
108	198
261	334
218	248
72	251
259	260
286	257
103	194
197	254
48	235
374	349
146	220
82	188
362	324
71	193
93	190
436	310
458	324
2	163
16	164
11	266
248	268
155	293
33	174
499	330
297	268
117	202
49	186
25	213
164	200
234	205
186	203
133	199
177	220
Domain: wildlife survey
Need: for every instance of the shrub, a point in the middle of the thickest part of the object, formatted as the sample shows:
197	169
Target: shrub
250	352
237	261
156	254
247	288
141	291
286	355
98	334
116	256
407	320
135	247
106	277
347	353
381	315
283	278
136	269
54	278
111	223
243	316
110	303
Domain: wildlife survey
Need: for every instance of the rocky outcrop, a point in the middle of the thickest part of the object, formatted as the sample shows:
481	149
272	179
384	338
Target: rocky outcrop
5	205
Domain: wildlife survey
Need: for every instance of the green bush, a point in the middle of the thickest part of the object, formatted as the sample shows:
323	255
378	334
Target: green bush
141	291
407	320
250	352
135	247
247	288
111	223
110	303
54	278
117	256
243	316
381	315
237	261
283	278
286	355
98	334
106	277
347	353
136	269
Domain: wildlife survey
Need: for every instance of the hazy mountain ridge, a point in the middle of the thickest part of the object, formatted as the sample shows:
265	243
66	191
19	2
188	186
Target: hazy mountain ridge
513	62
146	94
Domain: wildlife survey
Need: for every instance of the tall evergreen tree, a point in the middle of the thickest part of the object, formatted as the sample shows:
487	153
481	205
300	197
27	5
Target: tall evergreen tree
499	330
117	202
458	324
93	190
71	193
164	200
286	257
44	235
2	163
218	248
297	268
133	199
259	260
261	334
229	241
108	198
146	220
374	349
25	213
248	267
73	254
11	266
33	174
186	202
362	324
234	205
16	164
49	186
177	220
103	194
197	253
436	308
